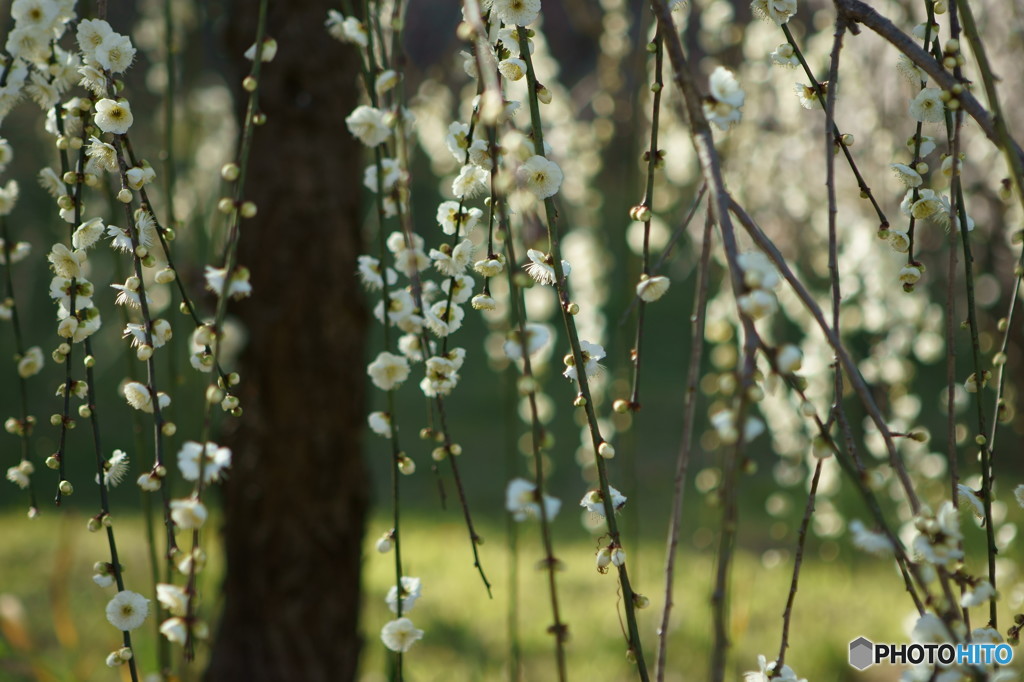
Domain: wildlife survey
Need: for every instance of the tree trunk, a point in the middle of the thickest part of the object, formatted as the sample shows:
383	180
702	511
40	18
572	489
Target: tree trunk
295	501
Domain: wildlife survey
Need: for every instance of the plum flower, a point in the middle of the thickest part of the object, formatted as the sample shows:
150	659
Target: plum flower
778	11
410	593
521	500
592	354
593	501
388	370
127	610
216	460
928	107
114	117
399	635
541	176
722	106
367	125
517	12
541	267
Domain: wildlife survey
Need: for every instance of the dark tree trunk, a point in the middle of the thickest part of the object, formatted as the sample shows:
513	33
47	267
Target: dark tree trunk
296	499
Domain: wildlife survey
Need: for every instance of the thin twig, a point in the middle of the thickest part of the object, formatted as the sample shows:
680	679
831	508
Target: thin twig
697	319
801	543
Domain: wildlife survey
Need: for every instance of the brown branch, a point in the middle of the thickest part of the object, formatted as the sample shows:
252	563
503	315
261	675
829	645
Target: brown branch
859	12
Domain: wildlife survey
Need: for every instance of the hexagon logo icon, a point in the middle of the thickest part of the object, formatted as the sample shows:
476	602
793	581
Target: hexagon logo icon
862	653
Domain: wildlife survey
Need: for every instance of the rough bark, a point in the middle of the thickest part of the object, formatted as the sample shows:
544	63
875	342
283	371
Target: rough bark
296	499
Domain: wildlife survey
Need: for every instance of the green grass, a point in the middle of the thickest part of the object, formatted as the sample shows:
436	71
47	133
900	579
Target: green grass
63	635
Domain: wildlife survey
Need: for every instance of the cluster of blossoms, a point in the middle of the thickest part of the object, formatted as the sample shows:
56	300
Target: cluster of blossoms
90	132
515	174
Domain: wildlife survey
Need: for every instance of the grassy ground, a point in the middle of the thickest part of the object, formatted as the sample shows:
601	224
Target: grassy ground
53	627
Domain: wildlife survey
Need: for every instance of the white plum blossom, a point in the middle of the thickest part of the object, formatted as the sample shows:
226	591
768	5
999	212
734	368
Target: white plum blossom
929	629
806	95
970	497
18	252
267	53
8	197
907	175
512	68
593	501
650	289
400	307
138	176
927	204
346	29
724	422
19	475
537	336
399	635
441	376
392	170
380	423
785	56
367	124
215	460
410	593
928	107
173	598
541	267
978	594
899	241
758	303
188	514
541	176
386	81
114	469
778	11
471	181
722	106
177	630
139	397
238	287
788	359
88	233
388	370
870	541
127	610
489	267
453	262
592	355
31	363
939	537
452	219
758	271
521	501
160	334
443	318
66	263
114	116
516	12
460	286
115	53
370	273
